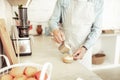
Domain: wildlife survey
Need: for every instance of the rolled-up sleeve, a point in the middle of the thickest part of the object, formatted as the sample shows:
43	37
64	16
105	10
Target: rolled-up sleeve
97	25
54	20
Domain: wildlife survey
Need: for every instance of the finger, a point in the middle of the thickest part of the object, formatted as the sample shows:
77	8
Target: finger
57	40
58	35
77	57
62	36
76	53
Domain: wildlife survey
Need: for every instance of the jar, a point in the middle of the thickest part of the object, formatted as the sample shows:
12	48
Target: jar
39	29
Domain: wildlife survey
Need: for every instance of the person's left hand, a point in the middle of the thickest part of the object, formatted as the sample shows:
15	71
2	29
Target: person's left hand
79	54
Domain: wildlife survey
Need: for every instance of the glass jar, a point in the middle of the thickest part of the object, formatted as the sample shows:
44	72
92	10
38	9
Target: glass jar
39	29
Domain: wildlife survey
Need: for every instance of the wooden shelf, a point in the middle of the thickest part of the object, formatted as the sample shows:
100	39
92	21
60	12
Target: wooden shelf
111	35
17	2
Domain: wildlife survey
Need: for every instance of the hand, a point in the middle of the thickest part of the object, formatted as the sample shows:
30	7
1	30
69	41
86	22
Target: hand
79	54
58	36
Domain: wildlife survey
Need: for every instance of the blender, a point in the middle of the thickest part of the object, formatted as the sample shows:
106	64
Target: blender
23	41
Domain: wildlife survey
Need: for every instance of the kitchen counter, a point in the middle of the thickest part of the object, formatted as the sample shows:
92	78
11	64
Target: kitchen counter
44	49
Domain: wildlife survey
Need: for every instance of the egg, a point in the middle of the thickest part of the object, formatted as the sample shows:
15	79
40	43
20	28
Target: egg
37	75
30	71
22	77
16	71
6	77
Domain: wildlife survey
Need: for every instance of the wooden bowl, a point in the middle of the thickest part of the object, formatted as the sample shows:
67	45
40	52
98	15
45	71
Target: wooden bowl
98	58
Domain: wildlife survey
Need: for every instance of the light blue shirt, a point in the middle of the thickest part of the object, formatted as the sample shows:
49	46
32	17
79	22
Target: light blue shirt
60	9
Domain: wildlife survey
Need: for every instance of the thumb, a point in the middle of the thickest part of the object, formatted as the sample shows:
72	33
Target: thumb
76	53
62	36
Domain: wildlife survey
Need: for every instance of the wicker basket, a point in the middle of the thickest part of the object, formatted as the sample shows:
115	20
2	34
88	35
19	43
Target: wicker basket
46	68
98	58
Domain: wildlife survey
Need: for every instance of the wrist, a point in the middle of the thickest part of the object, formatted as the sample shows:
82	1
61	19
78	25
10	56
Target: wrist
85	47
55	31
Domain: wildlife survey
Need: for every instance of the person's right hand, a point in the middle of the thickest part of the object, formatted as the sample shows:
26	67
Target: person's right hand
58	36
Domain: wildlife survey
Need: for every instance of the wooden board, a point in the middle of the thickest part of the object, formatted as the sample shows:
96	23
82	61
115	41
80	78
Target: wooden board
7	43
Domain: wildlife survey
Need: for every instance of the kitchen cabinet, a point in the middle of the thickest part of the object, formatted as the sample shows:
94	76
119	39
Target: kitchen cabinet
110	44
18	2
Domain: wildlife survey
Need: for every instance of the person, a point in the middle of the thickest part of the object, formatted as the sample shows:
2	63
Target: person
81	20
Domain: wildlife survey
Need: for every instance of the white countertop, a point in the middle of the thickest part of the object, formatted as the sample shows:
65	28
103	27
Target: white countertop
44	49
